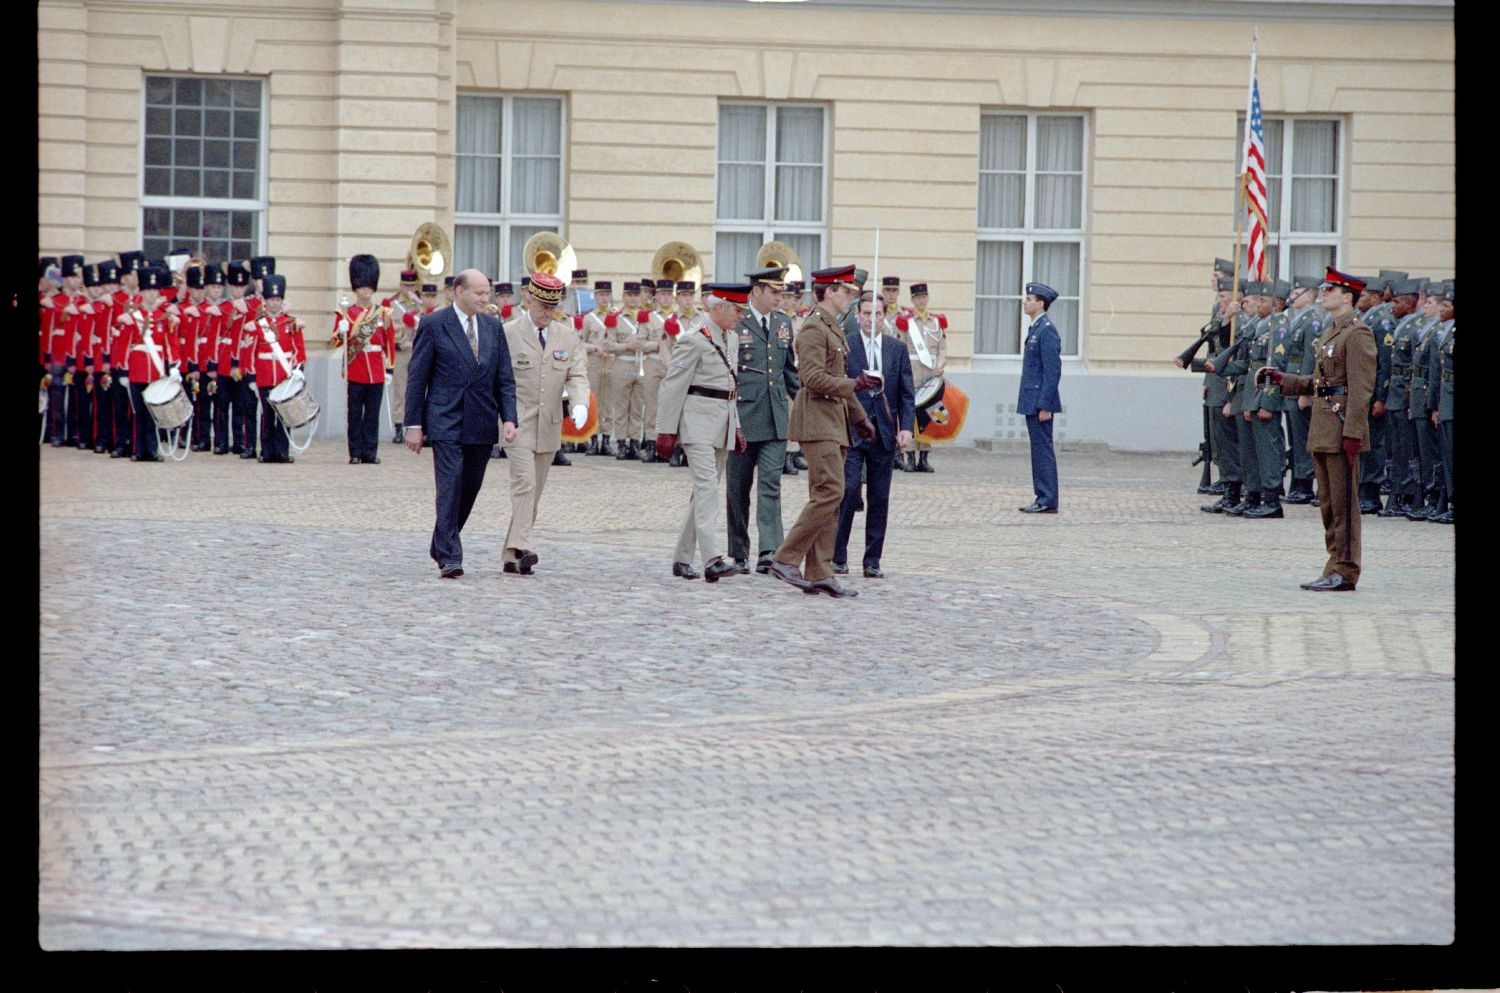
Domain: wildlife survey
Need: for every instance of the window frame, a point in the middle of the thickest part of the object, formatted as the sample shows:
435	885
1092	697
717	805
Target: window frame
505	220
1283	241
1031	236
260	205
768	227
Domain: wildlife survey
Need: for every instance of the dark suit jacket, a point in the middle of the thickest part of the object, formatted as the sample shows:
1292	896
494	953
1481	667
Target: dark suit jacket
1041	368
900	395
453	397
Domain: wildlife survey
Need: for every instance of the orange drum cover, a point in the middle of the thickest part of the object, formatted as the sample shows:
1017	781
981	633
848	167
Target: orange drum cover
590	427
946	416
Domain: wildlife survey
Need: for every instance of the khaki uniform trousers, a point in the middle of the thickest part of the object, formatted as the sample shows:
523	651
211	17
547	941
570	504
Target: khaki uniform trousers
1338	488
628	401
398	385
528	476
656	371
809	543
701	527
597	365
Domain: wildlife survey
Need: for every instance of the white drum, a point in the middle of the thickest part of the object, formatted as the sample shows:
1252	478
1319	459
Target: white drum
168	403
293	400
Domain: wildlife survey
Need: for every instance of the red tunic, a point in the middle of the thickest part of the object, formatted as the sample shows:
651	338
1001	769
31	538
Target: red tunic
152	344
242	329
285	331
122	304
369	365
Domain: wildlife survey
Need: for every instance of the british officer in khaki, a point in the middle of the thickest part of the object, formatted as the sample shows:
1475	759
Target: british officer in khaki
696	410
545	357
1342	383
822	413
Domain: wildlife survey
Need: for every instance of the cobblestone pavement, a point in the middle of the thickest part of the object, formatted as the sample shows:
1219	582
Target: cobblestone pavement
265	722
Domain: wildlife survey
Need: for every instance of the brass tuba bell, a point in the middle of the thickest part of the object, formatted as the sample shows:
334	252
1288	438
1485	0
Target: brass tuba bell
430	253
549	252
677	260
779	253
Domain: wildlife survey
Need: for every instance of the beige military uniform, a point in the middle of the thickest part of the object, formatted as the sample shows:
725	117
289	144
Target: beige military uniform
625	379
541	376
400	307
697	404
658	354
593	337
936	340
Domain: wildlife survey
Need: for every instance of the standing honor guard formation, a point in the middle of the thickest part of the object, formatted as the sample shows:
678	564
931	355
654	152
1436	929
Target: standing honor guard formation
367	339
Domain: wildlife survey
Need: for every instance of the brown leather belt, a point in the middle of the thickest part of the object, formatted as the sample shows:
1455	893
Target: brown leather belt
704	391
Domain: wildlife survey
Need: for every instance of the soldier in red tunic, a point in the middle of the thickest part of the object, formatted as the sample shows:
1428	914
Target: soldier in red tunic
152	354
279	348
363	334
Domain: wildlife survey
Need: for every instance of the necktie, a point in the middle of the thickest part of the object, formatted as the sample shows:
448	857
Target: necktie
473	337
874	364
765	328
541	338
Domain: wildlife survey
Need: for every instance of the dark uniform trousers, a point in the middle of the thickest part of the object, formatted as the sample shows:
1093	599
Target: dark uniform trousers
1429	451
1298	420
877	466
145	424
1224	439
1249	455
122	417
1338	502
273	443
362	429
58	410
104	415
764	460
82	414
1270	456
203	413
809	544
246	416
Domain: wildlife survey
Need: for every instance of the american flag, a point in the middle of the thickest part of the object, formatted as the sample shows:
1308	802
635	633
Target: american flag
1253	175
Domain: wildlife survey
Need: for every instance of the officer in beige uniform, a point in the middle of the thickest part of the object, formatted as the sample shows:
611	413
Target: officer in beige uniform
933	344
822	413
545	357
658	331
626	377
594	328
698	411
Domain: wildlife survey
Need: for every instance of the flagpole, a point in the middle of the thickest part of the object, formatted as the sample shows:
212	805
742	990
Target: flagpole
1239	223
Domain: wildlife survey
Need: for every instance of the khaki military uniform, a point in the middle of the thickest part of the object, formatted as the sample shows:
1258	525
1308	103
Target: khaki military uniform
822	413
697	404
930	327
593	336
1344	360
541	375
658	354
626	378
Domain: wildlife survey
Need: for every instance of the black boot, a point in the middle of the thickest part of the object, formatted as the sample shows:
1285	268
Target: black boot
1270	506
593	448
679	458
1387	478
604	446
558	458
900	462
626	450
911	461
648	451
922	465
1250	502
1395	506
1218	489
1301	491
1229	499
798	460
788	465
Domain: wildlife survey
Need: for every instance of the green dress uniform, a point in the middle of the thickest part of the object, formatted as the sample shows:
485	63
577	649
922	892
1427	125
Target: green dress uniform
1445	415
1418	412
1382	324
1402	434
1441	337
1233	364
1304	327
768	382
1223	439
1268	348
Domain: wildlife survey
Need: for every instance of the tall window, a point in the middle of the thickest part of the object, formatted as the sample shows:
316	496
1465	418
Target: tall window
1031	182
509	157
202	176
1304	221
772	184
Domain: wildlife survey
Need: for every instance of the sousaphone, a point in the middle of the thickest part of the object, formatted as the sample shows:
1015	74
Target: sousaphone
677	260
430	253
779	253
549	252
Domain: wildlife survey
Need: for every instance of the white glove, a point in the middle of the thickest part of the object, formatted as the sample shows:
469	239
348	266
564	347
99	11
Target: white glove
175	375
580	414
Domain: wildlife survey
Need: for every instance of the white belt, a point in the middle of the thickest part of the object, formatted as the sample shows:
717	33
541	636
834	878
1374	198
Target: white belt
226	341
372	348
268	356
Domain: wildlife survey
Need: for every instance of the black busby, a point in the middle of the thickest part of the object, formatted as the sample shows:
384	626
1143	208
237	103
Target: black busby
156	278
273	286
364	270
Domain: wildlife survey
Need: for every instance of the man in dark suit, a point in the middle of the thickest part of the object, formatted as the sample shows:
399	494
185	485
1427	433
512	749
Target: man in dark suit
1041	368
459	386
892	408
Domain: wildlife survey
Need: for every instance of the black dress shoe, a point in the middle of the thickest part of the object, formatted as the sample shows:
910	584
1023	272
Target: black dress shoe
718	568
221	451
685	570
873	572
1446	517
198	448
237	449
450	571
1331	583
742	567
373	460
100	449
763	566
1037	508
354	460
797	459
788	466
786	573
1369	506
118	453
514	568
1267	508
840	569
249	453
148	458
558	458
829	586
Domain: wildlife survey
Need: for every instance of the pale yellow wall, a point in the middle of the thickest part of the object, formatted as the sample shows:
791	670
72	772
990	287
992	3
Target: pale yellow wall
361	132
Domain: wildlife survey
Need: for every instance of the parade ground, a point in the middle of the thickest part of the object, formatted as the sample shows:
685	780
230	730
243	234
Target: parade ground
265	722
